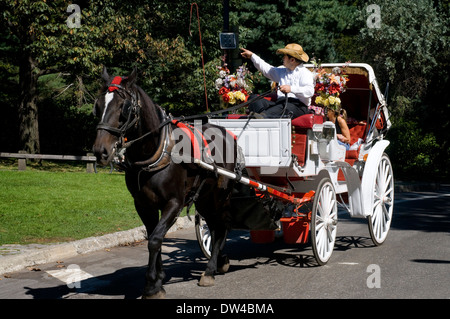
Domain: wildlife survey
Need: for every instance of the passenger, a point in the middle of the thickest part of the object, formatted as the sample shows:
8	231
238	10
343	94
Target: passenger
294	79
338	116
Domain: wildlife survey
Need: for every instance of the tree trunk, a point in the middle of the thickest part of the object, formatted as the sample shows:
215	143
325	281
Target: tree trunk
28	112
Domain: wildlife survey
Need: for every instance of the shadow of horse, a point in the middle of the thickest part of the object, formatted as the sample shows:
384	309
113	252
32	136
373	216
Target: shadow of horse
185	262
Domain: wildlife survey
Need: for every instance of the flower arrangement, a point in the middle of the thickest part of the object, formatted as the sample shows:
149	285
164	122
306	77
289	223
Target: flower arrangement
329	85
234	88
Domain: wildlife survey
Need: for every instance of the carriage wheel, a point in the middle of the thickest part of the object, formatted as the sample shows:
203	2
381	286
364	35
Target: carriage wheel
203	235
383	202
324	221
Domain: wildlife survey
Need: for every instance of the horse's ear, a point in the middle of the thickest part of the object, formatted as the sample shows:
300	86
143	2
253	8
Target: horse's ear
105	75
132	77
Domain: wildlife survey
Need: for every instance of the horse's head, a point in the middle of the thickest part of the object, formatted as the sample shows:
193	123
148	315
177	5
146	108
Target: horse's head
118	110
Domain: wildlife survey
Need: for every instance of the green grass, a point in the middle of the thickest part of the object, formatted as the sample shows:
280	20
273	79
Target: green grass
58	202
44	207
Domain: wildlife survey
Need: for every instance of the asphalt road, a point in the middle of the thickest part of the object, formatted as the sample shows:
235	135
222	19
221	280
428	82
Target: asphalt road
414	262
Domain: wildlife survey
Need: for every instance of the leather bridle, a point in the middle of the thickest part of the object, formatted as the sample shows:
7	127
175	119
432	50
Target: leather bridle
132	113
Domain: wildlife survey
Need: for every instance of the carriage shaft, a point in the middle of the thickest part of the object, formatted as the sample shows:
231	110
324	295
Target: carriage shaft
257	185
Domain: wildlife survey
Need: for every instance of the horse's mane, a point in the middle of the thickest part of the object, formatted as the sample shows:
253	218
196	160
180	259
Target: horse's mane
154	110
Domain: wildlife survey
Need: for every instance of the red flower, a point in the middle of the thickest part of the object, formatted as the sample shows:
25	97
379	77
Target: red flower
225	97
223	90
320	87
334	88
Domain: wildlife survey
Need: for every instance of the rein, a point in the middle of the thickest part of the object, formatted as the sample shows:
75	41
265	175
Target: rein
169	118
123	144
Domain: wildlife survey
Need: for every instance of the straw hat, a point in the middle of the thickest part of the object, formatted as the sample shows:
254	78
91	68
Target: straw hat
294	50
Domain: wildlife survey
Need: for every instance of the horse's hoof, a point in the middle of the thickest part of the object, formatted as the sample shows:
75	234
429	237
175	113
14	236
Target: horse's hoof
206	281
159	295
225	265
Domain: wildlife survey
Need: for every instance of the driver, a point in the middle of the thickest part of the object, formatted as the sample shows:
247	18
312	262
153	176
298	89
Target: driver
295	81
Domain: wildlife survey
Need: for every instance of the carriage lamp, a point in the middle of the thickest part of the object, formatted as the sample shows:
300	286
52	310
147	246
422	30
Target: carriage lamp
227	41
329	130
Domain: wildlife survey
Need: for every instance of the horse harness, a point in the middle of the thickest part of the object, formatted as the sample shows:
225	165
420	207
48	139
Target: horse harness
162	156
131	110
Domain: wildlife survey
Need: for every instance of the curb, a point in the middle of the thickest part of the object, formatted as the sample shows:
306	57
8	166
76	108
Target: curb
31	255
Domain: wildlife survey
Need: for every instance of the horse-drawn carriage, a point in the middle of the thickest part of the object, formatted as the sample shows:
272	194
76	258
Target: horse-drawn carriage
302	173
291	174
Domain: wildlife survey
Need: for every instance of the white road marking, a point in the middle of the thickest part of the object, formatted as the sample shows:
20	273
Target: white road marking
70	275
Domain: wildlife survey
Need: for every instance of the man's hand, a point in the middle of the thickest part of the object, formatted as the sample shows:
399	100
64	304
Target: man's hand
285	88
246	53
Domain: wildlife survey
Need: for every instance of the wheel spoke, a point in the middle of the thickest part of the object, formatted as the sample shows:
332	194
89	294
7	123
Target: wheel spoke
325	218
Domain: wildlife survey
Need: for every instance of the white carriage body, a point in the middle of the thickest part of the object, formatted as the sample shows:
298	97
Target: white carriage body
296	155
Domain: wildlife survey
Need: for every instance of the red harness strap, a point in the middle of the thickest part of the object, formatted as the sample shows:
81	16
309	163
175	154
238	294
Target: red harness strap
191	135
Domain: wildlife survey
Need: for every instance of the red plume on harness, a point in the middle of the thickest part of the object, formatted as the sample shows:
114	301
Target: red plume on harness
115	83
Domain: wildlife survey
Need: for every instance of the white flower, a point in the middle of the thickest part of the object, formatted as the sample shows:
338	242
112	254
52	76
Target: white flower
241	82
219	83
222	74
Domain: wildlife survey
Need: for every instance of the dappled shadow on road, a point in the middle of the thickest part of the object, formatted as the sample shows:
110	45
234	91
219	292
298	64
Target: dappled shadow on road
126	282
423	212
431	261
183	262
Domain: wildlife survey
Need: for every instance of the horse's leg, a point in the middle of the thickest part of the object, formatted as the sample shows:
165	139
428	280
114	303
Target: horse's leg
150	218
155	273
219	235
218	221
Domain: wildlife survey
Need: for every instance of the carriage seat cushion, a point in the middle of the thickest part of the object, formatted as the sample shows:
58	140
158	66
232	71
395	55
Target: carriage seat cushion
307	121
356	132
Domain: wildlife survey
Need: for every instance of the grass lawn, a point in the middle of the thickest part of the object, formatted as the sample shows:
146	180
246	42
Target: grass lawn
48	206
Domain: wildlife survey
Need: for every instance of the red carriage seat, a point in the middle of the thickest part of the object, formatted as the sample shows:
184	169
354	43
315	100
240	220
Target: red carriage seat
356	132
300	126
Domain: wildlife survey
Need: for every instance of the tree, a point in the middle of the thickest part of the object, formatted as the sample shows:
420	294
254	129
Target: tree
41	43
319	26
47	37
406	48
410	50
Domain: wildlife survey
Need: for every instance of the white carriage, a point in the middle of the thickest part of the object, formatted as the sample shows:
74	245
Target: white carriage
298	173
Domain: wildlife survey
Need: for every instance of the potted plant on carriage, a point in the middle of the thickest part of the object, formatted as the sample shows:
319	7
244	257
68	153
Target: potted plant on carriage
329	86
233	88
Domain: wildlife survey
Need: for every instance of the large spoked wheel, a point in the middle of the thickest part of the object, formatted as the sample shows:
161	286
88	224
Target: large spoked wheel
383	202
324	221
203	235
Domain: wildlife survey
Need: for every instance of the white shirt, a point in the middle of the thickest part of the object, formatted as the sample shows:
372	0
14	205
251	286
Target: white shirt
300	79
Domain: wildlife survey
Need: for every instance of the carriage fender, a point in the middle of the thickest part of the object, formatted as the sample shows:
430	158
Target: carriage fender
369	175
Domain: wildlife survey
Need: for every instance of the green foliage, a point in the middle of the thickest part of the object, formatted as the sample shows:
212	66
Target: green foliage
410	50
407	48
319	26
414	152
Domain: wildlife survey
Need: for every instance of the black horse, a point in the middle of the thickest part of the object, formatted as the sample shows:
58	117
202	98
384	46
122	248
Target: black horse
136	134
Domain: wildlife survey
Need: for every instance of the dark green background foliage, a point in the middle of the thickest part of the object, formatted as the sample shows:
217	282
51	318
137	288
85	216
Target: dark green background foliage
54	71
